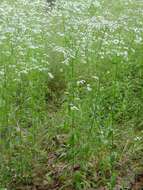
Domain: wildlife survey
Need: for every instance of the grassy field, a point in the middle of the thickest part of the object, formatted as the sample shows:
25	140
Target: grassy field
71	95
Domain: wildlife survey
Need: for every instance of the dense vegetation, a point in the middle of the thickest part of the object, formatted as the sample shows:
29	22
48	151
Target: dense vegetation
71	95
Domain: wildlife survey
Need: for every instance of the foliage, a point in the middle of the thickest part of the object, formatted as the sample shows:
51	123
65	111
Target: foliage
71	94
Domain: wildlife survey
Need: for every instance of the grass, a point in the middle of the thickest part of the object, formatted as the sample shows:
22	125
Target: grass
71	95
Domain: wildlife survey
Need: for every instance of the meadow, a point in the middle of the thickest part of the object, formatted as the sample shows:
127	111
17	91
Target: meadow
71	95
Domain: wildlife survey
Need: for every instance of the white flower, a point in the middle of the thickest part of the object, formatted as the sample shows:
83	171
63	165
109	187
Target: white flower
116	41
61	70
138	39
95	77
81	82
73	107
138	138
88	87
50	75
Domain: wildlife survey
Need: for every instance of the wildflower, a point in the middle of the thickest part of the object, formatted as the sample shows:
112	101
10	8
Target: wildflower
81	82
88	88
61	70
138	138
2	73
73	107
116	41
138	39
50	75
95	77
25	71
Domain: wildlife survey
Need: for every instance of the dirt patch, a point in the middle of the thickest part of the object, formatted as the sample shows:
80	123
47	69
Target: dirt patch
138	184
